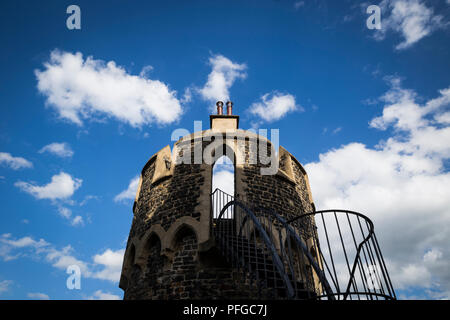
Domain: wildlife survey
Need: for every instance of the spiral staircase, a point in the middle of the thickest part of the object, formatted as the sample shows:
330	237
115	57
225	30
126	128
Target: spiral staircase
323	255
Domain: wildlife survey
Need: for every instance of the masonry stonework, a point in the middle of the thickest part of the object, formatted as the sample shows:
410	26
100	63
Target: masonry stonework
171	251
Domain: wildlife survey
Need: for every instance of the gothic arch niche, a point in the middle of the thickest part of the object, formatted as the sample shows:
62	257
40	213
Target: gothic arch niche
154	262
184	263
300	264
133	269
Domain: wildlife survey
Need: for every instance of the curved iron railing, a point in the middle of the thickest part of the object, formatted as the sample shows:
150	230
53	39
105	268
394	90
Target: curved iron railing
288	251
351	257
284	257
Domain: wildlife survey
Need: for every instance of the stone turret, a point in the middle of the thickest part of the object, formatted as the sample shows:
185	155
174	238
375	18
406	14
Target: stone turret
171	251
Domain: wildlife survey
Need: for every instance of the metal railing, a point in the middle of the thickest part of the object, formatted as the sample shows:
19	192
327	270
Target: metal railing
219	199
350	254
330	254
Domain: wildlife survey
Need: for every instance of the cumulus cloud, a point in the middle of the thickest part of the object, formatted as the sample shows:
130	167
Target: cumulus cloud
23	242
187	96
4	285
412	19
104	266
401	184
9	246
111	262
62	186
59	190
78	88
14	163
274	106
38	296
100	295
443	118
62	150
130	192
63	258
146	71
67	214
223	74
77	221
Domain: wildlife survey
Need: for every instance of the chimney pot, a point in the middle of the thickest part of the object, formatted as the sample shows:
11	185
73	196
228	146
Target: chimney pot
219	105
229	108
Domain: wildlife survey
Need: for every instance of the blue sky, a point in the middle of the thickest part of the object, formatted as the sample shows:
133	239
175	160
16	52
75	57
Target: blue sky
366	112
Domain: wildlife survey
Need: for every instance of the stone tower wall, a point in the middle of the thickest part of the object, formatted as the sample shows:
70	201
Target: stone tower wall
170	252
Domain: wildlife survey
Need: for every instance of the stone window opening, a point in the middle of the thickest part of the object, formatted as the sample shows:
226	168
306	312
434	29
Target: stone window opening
224	178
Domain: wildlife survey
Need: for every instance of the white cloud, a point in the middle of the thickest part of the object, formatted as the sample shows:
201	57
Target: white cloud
67	214
87	198
59	190
106	265
432	256
146	71
62	150
224	180
187	96
443	118
224	73
401	184
62	186
112	264
38	296
337	130
77	221
130	192
274	106
80	89
8	245
298	4
100	295
411	18
63	258
4	285
14	163
25	242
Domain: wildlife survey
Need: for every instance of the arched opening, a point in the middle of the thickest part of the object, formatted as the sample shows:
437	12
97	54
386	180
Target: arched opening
223	175
223	186
152	255
302	270
133	269
185	249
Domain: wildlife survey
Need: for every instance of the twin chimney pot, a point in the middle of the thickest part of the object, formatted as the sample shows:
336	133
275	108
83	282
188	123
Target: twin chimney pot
219	105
